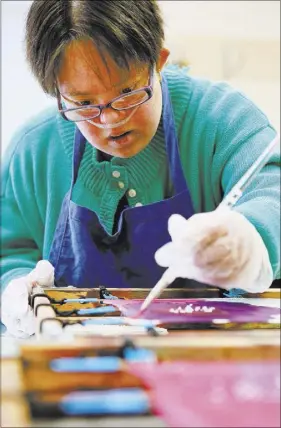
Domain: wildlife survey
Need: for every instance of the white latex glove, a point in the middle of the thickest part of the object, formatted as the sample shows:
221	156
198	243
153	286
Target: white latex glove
220	248
16	314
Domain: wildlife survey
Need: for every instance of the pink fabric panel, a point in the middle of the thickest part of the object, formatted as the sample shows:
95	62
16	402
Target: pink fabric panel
215	394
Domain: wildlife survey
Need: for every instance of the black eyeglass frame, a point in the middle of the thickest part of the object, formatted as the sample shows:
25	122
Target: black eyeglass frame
148	89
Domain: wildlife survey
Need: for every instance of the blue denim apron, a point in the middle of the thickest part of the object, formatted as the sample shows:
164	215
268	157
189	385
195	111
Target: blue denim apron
85	255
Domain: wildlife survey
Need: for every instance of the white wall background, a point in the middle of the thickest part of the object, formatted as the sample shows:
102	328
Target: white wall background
236	41
21	95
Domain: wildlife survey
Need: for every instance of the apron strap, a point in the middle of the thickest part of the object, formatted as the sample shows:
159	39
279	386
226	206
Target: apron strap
171	141
79	148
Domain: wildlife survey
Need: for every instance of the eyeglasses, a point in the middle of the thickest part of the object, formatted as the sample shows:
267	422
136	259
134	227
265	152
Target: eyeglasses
123	102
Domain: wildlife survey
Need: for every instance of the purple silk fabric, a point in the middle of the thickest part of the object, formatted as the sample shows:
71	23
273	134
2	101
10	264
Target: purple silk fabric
232	311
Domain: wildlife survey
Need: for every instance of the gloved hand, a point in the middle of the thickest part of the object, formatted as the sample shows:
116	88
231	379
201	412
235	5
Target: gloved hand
16	314
220	248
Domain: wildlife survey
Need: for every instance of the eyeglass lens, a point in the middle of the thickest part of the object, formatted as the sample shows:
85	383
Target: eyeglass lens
126	102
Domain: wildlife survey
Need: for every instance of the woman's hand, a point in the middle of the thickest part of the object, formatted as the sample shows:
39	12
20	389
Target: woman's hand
220	248
16	314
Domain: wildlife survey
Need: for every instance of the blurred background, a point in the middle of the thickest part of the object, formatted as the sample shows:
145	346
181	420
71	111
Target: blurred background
233	41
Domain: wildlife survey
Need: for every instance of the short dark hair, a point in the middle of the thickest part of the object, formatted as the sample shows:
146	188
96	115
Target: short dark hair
129	30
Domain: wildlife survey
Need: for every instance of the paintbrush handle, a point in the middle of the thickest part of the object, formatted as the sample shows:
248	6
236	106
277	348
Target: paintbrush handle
166	279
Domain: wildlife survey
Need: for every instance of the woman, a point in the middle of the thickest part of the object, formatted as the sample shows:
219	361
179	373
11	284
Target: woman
134	154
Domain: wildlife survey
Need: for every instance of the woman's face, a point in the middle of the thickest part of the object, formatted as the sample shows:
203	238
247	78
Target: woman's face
84	78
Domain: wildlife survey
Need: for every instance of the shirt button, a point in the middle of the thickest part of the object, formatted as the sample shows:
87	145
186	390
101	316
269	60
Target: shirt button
121	184
132	193
116	174
138	204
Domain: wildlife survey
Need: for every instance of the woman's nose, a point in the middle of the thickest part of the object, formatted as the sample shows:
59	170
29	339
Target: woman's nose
110	116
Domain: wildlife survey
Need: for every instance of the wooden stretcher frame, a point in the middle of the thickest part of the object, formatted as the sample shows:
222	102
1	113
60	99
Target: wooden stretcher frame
141	293
44	307
247	343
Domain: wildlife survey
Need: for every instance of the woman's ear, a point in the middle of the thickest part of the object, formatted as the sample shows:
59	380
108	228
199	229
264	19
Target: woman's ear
163	57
